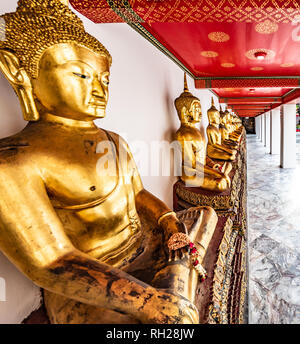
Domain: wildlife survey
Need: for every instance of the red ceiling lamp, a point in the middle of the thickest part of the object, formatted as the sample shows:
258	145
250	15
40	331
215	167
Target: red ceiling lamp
260	55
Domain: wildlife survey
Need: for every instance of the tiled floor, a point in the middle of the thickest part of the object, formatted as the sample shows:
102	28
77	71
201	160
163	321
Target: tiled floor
273	238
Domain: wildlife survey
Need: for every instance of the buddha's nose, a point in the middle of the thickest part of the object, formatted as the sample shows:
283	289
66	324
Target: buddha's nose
98	90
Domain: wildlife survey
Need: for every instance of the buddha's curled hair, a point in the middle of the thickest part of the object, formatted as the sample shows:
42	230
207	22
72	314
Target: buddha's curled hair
39	24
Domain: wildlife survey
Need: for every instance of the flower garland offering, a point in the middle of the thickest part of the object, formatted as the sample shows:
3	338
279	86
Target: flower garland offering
181	240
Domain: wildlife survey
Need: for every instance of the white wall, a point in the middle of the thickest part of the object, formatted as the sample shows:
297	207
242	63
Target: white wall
144	84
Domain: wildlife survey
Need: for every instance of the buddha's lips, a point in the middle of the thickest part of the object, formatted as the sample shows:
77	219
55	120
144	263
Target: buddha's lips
98	103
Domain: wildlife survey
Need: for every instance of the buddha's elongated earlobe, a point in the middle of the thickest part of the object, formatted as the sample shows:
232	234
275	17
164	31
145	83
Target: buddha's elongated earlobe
20	81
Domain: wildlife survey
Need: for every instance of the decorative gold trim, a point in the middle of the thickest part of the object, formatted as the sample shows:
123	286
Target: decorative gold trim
218	313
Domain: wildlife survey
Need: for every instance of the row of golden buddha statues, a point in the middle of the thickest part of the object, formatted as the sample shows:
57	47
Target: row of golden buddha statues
224	133
104	250
214	175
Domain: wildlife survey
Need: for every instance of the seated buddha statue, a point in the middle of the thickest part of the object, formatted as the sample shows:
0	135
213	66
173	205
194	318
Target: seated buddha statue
215	148
225	132
231	128
237	122
192	145
104	249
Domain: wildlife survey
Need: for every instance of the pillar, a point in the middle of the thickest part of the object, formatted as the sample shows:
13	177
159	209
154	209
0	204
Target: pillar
267	131
257	126
288	136
262	139
275	131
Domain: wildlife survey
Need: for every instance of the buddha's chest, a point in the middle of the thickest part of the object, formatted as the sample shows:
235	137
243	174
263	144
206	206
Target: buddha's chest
82	172
216	136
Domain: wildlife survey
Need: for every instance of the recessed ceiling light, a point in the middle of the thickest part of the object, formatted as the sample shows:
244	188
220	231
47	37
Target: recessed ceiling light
260	55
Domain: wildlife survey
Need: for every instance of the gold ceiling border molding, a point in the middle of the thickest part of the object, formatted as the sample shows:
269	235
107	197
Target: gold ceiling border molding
127	13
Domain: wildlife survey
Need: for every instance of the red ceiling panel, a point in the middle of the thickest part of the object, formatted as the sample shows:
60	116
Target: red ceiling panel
190	43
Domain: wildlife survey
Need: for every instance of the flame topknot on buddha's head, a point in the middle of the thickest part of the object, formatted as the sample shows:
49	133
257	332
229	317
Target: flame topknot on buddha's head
186	99
39	24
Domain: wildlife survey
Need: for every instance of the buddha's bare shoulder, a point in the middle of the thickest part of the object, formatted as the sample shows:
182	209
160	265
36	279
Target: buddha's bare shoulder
187	134
17	149
118	139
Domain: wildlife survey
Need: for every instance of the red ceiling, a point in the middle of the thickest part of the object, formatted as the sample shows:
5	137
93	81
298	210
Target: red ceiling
188	41
216	41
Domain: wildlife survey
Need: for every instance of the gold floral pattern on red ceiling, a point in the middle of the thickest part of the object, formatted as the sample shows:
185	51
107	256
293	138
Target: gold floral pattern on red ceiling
253	83
217	10
286	65
266	27
218	37
228	65
209	53
257	68
168	11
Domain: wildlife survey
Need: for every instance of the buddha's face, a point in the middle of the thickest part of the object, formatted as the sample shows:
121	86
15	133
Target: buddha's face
214	118
72	82
195	112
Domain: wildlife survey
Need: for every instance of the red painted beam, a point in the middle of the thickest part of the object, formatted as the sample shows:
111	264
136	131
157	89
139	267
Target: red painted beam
249	107
284	82
249	100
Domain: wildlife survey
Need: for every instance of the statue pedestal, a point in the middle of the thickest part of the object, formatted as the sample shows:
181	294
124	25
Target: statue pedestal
221	298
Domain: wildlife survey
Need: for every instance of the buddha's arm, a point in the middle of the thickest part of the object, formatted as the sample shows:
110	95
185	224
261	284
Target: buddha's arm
212	172
154	208
210	136
194	163
224	148
149	205
33	238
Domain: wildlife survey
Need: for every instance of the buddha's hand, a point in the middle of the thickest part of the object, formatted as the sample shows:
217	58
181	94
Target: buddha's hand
165	307
172	225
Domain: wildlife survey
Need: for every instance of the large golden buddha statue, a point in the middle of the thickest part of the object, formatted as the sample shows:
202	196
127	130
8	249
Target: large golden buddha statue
195	169
103	248
215	148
